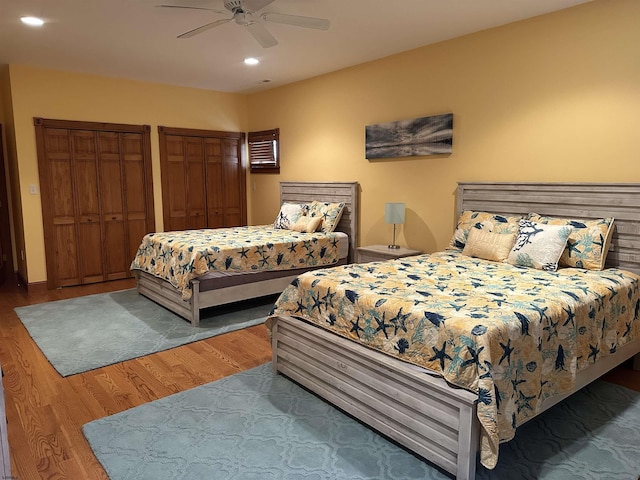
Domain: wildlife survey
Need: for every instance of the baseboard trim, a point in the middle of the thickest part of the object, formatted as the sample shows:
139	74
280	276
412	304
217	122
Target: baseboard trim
37	287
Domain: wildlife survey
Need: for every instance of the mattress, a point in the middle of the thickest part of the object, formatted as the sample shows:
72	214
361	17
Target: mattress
221	279
179	257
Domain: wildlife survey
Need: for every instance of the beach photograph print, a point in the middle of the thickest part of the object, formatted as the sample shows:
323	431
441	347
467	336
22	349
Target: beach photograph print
410	138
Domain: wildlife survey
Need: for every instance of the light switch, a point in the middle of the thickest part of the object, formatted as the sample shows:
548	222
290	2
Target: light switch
33	189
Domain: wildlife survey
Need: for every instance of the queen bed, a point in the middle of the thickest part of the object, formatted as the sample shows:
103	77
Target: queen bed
208	276
449	353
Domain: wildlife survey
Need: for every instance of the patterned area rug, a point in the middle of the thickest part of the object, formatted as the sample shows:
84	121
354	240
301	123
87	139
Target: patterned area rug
254	425
84	333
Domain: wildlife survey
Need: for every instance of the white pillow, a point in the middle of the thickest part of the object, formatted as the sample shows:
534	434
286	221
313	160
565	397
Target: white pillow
289	215
539	245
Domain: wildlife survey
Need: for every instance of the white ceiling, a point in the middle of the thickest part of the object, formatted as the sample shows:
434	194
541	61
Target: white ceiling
137	40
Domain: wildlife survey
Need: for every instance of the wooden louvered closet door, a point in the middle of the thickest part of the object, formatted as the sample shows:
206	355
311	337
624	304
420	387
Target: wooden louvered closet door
203	179
183	171
225	183
84	166
97	203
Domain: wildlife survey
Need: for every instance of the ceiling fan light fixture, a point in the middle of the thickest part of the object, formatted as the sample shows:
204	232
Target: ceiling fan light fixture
32	21
251	61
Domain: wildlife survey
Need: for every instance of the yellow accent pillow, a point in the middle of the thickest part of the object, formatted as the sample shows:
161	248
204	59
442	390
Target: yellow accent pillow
489	245
307	224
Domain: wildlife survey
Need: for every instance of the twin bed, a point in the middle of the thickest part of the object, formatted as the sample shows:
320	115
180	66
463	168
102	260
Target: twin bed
172	269
447	354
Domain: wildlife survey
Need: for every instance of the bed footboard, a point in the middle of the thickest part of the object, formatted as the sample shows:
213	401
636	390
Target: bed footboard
162	292
421	412
165	294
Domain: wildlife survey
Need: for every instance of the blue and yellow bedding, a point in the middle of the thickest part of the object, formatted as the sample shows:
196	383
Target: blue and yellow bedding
513	335
178	257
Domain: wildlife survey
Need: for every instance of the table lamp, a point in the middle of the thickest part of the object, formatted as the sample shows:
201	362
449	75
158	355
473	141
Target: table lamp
394	213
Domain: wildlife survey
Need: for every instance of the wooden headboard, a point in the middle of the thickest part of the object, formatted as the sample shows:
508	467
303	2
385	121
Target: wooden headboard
570	200
347	192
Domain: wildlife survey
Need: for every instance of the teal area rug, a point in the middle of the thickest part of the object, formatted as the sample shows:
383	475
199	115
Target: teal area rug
254	425
84	333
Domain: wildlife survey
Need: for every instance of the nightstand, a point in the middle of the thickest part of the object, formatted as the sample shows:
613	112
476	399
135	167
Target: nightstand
376	253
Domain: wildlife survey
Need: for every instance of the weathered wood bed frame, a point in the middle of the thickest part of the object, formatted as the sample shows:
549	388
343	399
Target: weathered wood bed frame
423	412
165	294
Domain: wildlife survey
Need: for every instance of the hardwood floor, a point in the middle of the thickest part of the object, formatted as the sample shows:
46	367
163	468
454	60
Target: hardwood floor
45	412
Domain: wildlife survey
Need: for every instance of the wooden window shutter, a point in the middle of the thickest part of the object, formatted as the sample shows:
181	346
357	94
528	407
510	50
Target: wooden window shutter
264	151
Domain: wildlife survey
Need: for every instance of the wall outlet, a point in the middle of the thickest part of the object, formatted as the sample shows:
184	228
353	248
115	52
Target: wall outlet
33	189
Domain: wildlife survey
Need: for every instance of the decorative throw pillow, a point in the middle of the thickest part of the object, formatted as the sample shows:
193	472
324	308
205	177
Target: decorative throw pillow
539	246
489	245
491	222
307	224
288	215
329	212
588	243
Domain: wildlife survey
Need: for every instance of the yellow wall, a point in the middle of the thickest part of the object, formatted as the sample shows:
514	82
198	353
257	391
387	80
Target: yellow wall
70	96
553	98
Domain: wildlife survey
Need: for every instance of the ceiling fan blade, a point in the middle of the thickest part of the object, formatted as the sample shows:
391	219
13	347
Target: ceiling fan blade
190	8
298	21
261	34
205	27
255	5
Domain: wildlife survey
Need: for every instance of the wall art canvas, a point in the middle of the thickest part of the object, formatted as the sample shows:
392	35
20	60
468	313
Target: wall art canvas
409	138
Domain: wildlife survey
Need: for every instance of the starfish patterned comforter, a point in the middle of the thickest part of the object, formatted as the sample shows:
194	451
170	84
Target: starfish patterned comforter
513	335
179	257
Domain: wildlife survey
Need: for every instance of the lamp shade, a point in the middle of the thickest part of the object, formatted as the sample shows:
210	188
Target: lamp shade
394	213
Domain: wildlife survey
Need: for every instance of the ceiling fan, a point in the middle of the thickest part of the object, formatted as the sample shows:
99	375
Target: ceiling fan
245	13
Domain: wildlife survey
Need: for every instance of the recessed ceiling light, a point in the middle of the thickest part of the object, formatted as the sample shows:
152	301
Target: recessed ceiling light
32	21
251	61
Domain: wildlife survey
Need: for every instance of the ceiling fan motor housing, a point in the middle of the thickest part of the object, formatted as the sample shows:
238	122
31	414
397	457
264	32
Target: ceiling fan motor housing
234	6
